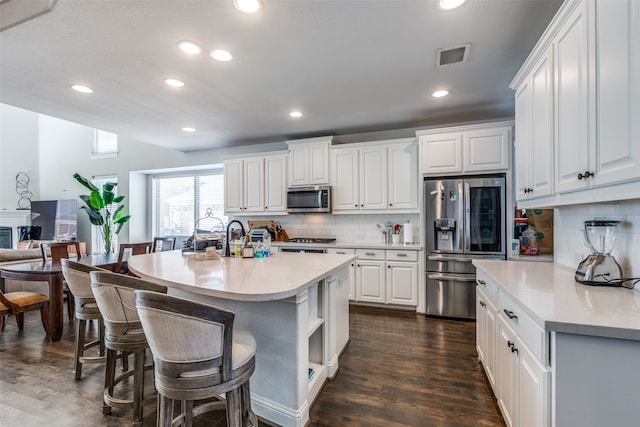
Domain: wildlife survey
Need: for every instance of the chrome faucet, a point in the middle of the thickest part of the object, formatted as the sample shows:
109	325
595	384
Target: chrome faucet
227	248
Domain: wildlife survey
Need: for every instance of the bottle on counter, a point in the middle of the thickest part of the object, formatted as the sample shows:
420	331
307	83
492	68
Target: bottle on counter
266	246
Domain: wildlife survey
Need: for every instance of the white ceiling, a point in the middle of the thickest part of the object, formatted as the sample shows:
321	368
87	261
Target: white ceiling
352	67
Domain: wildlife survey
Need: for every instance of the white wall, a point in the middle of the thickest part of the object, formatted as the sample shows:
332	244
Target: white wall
18	153
568	221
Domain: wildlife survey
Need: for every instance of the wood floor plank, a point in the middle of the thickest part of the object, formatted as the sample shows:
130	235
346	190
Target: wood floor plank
399	369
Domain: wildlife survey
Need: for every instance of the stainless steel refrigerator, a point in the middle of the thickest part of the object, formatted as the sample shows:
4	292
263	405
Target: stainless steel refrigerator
464	219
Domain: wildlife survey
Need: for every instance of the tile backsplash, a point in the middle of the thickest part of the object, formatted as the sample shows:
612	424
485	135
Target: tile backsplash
568	223
361	228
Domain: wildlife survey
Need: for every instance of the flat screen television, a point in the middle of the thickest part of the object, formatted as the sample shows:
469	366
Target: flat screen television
57	219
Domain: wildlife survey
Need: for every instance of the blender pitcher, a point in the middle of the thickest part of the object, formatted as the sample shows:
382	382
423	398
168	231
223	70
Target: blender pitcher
599	268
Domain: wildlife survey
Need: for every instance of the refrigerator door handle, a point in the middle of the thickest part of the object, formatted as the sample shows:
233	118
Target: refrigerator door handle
467	218
451	277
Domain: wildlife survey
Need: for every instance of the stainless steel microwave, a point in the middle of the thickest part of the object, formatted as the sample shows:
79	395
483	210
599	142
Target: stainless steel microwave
309	199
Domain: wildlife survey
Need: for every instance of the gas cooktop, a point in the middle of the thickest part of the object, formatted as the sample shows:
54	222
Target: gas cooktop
310	240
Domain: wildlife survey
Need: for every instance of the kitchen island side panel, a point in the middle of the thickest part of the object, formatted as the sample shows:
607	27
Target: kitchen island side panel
596	381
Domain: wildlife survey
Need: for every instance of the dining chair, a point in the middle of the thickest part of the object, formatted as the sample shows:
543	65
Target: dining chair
20	302
4	311
198	354
114	294
161	244
129	249
57	251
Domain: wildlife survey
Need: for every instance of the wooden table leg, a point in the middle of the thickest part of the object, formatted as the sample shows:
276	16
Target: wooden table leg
56	317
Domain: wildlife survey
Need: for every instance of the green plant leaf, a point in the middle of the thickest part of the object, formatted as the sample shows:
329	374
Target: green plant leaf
119	228
86	183
108	197
94	216
109	186
122	220
96	200
118	199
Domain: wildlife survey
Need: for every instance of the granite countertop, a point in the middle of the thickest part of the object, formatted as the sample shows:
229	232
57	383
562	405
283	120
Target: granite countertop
349	244
549	294
279	276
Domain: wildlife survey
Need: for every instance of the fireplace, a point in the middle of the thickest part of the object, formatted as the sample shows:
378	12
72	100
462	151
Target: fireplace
12	220
6	238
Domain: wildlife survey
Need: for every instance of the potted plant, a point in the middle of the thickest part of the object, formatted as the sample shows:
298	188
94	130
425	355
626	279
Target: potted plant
103	209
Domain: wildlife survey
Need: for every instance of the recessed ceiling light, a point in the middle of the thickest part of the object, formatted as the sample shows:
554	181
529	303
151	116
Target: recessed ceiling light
82	88
450	4
440	93
189	47
221	55
247	6
173	82
295	114
187	129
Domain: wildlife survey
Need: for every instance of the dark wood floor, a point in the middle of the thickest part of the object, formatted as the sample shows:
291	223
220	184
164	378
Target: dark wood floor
398	370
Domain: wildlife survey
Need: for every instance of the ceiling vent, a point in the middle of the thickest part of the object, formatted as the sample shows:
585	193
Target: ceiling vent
452	55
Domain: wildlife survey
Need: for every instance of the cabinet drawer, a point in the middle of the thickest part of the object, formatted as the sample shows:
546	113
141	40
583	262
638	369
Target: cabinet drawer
531	334
341	251
370	254
488	286
402	256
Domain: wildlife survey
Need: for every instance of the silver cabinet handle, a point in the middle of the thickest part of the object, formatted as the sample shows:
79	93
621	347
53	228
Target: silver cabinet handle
482	282
370	254
401	255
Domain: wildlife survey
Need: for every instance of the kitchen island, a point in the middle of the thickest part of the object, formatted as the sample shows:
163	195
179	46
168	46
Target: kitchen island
557	352
295	305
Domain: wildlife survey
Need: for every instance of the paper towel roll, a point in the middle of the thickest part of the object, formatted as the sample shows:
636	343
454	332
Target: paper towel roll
408	232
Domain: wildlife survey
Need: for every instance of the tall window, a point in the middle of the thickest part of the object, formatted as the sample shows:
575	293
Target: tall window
180	200
97	241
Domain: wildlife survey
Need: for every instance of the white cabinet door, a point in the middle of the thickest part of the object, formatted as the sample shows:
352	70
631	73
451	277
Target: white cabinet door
352	269
573	102
275	186
523	142
233	186
319	163
541	128
373	178
507	373
441	154
403	173
402	283
254	184
345	186
486	149
534	389
618	153
486	334
370	281
298	165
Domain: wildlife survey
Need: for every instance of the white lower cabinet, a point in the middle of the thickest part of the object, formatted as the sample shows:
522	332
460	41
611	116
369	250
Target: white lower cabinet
514	353
398	285
351	268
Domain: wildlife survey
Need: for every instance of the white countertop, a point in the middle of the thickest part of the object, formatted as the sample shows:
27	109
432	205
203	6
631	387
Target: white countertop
556	302
280	276
349	244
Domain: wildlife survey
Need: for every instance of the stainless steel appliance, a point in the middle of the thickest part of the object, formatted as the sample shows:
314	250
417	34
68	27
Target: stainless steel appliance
464	219
309	199
599	268
295	247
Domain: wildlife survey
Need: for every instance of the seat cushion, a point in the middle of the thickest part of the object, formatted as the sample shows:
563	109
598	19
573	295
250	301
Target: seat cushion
22	299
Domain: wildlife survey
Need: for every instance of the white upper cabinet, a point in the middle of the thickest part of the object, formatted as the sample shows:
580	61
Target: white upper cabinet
402	159
573	101
375	177
465	149
593	50
534	133
255	185
309	161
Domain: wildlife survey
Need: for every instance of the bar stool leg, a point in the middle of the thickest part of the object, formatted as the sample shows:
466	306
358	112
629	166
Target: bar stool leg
187	412
109	378
165	411
234	416
81	326
138	386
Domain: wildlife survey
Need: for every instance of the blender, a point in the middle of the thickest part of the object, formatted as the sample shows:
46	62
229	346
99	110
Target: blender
599	268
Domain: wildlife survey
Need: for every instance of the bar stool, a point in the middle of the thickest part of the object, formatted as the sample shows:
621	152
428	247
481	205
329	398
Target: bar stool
197	355
114	294
79	282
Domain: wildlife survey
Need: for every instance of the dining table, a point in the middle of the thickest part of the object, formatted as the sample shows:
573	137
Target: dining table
50	272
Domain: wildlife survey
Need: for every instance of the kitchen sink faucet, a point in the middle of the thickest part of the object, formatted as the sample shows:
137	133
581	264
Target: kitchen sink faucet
227	249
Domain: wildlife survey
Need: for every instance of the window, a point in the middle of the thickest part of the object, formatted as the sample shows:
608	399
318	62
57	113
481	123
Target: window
97	240
180	200
105	144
